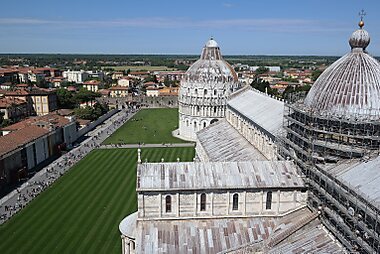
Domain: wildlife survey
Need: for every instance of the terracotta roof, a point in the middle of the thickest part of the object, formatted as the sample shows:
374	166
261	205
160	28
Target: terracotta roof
92	82
33	91
19	138
119	88
7	102
22	85
71	88
152	88
104	91
51	118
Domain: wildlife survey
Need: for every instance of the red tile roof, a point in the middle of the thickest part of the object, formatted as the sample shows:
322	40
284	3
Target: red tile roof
119	88
18	138
8	102
51	118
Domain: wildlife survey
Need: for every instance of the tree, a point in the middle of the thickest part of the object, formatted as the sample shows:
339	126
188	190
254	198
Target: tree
316	74
295	89
65	98
85	95
91	113
263	86
262	70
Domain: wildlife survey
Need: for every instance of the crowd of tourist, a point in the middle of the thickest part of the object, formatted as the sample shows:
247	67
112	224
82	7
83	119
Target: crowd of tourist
19	198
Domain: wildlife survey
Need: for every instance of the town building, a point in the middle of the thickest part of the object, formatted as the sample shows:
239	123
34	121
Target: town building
118	91
124	81
13	109
40	101
75	76
117	75
92	85
30	142
152	91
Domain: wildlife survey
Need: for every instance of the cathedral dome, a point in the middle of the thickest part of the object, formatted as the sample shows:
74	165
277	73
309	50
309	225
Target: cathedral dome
211	67
350	87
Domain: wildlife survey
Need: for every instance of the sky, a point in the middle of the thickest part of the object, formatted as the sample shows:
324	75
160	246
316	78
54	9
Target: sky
241	27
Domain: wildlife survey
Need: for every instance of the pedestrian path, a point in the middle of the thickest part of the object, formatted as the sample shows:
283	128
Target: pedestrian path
112	146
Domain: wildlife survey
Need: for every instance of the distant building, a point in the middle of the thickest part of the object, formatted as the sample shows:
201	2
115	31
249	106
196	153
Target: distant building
99	75
118	91
168	91
117	75
92	85
13	109
270	68
124	81
40	101
75	76
104	92
152	91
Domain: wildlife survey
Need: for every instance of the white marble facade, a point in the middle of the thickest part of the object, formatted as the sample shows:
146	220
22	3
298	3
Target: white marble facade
204	91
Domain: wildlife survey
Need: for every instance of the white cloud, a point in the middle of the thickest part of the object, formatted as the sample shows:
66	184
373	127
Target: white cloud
227	5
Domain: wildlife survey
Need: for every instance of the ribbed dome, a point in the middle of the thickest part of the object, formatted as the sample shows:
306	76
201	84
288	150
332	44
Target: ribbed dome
211	67
350	87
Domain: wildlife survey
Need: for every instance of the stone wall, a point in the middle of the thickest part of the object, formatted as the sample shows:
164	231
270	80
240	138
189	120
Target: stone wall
187	204
258	138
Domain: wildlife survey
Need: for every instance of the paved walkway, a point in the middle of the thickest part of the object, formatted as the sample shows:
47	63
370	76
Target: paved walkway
20	197
148	145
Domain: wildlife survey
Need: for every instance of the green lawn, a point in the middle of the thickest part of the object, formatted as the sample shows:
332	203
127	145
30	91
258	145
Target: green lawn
149	126
81	212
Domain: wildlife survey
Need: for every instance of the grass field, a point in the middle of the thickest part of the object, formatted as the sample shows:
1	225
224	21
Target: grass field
149	126
81	212
141	68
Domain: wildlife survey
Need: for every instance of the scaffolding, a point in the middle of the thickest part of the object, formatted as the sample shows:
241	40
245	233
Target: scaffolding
312	139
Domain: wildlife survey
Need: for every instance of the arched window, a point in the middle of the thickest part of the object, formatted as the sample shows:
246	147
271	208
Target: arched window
195	125
235	201
203	202
268	204
196	91
187	123
204	125
213	121
214	109
215	92
168	204
188	90
198	109
205	91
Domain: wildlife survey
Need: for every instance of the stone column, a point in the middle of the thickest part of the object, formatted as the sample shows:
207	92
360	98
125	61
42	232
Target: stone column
212	203
195	204
160	204
178	205
228	202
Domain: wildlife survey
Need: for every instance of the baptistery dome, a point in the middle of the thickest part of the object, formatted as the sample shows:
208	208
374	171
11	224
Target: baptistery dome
350	87
204	91
211	67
